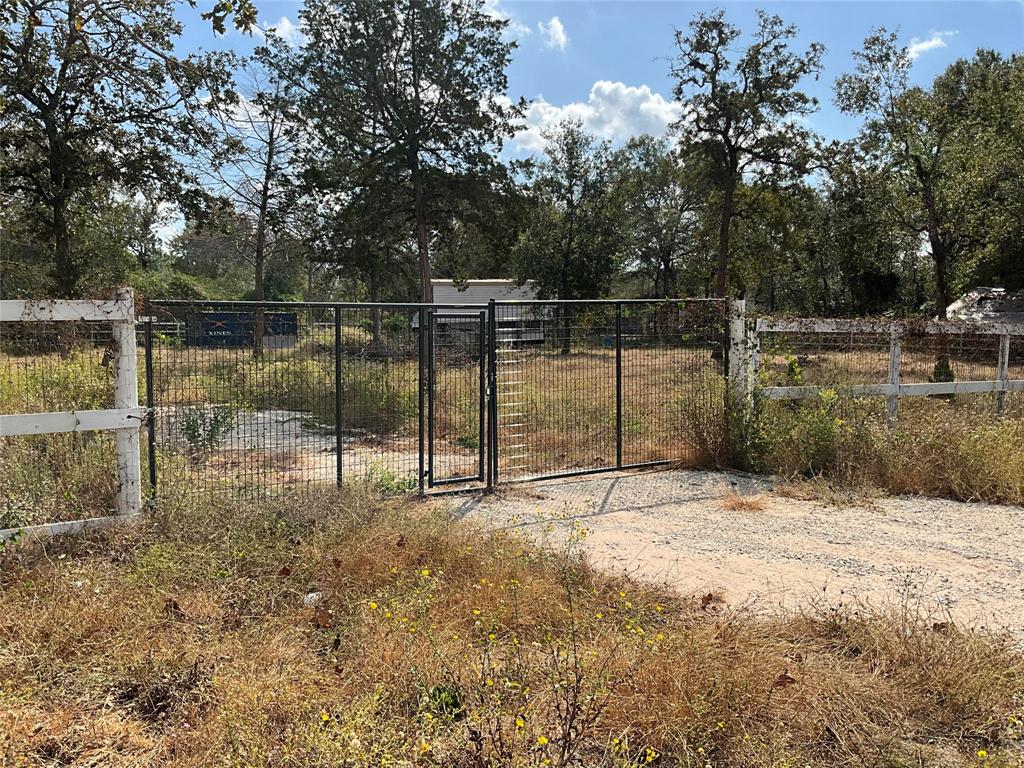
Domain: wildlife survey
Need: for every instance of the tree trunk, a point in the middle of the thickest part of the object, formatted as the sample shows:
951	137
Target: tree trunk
422	242
940	256
375	323
668	277
725	224
943	370
259	258
66	271
419	195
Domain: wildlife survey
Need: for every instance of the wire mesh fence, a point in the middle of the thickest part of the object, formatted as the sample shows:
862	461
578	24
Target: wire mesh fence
854	361
673	380
255	398
586	386
258	399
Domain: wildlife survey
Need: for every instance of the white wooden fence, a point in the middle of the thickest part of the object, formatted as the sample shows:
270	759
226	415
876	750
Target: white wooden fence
746	360
125	418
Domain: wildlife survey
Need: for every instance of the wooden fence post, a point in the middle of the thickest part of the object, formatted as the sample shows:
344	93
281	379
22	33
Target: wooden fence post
753	356
895	357
126	395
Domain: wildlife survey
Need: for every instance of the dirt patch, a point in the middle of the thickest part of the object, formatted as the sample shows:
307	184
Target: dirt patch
686	528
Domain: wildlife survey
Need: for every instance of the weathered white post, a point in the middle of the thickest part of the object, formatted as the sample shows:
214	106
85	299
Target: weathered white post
738	360
753	356
1003	372
126	395
892	401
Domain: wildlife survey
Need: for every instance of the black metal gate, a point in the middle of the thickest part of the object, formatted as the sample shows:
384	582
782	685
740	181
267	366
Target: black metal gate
253	397
456	397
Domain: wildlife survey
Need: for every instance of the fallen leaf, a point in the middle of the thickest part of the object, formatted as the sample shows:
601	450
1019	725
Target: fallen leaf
784	680
323	618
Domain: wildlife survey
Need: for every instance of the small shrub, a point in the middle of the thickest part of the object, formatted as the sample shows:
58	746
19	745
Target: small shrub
702	418
203	428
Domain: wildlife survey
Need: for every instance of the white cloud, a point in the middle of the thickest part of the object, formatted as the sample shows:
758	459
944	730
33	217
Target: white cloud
937	40
515	28
554	34
286	29
613	110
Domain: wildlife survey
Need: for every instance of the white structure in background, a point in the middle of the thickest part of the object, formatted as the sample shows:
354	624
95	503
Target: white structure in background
125	418
989	305
516	322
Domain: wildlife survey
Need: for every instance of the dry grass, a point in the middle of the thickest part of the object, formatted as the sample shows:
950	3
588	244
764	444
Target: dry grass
341	630
735	502
958	449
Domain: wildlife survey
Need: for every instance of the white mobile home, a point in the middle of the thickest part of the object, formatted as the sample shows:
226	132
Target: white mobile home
516	322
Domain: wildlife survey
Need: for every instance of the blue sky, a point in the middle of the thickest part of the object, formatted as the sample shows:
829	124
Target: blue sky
607	62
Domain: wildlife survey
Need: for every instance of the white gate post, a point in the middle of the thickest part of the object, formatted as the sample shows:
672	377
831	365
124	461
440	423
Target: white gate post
753	356
126	395
895	358
738	372
1003	371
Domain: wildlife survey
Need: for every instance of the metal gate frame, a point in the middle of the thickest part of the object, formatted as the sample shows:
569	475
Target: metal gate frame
431	380
488	474
729	333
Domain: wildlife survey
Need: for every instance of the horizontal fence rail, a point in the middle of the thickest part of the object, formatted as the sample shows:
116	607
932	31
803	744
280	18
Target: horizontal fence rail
51	357
909	358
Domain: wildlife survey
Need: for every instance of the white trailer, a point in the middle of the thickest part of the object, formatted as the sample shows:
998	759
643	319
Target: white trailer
516	322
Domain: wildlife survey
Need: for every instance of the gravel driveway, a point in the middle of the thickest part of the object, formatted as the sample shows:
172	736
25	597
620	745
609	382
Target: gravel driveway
964	560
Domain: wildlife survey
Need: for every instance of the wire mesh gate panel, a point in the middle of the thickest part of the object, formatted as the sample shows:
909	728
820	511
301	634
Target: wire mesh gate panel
456	391
595	385
252	398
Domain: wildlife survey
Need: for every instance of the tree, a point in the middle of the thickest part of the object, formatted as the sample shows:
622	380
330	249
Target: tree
740	118
661	199
571	243
96	97
987	156
415	85
865	235
909	132
249	168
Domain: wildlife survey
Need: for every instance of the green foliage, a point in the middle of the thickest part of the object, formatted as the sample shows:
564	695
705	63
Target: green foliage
572	238
398	109
657	204
97	102
445	700
203	428
740	113
387	482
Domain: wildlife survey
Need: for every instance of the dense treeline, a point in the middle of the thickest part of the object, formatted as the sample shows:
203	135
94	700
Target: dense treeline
367	159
